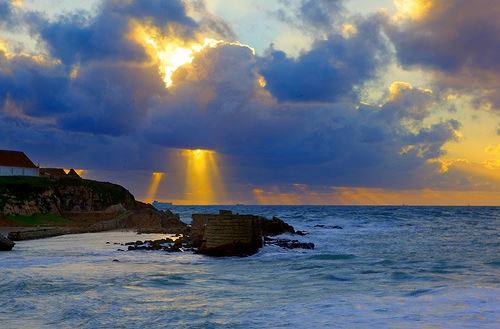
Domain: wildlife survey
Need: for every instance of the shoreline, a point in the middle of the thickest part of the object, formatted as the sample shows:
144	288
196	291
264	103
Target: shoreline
37	233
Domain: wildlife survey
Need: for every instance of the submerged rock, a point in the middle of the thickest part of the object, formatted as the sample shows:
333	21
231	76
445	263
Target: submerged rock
289	244
332	227
6	244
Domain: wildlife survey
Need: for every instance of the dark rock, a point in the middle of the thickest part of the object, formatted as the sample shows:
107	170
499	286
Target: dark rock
6	244
228	234
333	227
174	248
162	244
275	226
107	242
301	233
291	244
232	249
116	260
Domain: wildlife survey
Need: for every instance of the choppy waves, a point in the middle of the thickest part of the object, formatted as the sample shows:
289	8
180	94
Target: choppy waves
388	267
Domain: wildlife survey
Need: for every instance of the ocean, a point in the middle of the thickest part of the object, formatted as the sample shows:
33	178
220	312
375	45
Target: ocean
388	267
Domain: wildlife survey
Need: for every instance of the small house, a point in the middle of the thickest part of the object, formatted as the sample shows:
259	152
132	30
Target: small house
15	163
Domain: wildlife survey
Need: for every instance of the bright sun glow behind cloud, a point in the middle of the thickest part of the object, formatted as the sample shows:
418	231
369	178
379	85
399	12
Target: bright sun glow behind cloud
170	52
413	9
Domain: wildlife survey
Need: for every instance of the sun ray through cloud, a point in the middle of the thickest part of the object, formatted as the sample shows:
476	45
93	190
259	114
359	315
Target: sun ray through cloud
156	179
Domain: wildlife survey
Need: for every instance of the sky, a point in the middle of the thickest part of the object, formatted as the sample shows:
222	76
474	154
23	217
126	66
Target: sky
259	102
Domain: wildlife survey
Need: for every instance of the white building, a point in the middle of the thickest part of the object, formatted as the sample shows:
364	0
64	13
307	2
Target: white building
14	163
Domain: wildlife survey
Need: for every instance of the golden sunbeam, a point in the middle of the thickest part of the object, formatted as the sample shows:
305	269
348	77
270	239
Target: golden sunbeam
169	51
156	178
204	184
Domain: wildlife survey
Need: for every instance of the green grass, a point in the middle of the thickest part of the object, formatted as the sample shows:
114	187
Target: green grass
38	220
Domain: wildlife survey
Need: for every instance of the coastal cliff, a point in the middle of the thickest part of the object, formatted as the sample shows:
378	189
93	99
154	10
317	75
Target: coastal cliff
31	195
78	205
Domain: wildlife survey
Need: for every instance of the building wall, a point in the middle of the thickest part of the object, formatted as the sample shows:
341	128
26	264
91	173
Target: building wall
18	171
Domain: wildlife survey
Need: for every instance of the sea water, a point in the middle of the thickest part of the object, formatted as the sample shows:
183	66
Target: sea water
388	267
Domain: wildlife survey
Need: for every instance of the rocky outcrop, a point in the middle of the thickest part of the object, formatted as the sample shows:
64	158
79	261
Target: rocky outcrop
167	244
30	195
6	244
228	234
90	206
148	219
275	226
46	202
232	235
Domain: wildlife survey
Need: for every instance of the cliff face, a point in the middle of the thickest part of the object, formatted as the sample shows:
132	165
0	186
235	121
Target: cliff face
88	206
31	195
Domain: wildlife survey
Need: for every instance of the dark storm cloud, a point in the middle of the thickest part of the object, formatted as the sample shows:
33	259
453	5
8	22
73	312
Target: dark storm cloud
332	68
112	88
460	41
80	38
39	89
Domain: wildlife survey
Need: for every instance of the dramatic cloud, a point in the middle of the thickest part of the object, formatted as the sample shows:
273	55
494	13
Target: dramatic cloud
458	40
328	143
332	68
99	97
78	38
99	80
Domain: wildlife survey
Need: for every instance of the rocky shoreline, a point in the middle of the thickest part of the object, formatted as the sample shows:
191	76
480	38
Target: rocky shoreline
227	234
73	205
223	234
6	244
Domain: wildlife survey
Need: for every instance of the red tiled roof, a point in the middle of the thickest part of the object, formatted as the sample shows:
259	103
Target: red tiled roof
15	159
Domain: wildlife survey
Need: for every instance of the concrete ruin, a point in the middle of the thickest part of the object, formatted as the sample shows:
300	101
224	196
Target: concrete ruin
226	234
